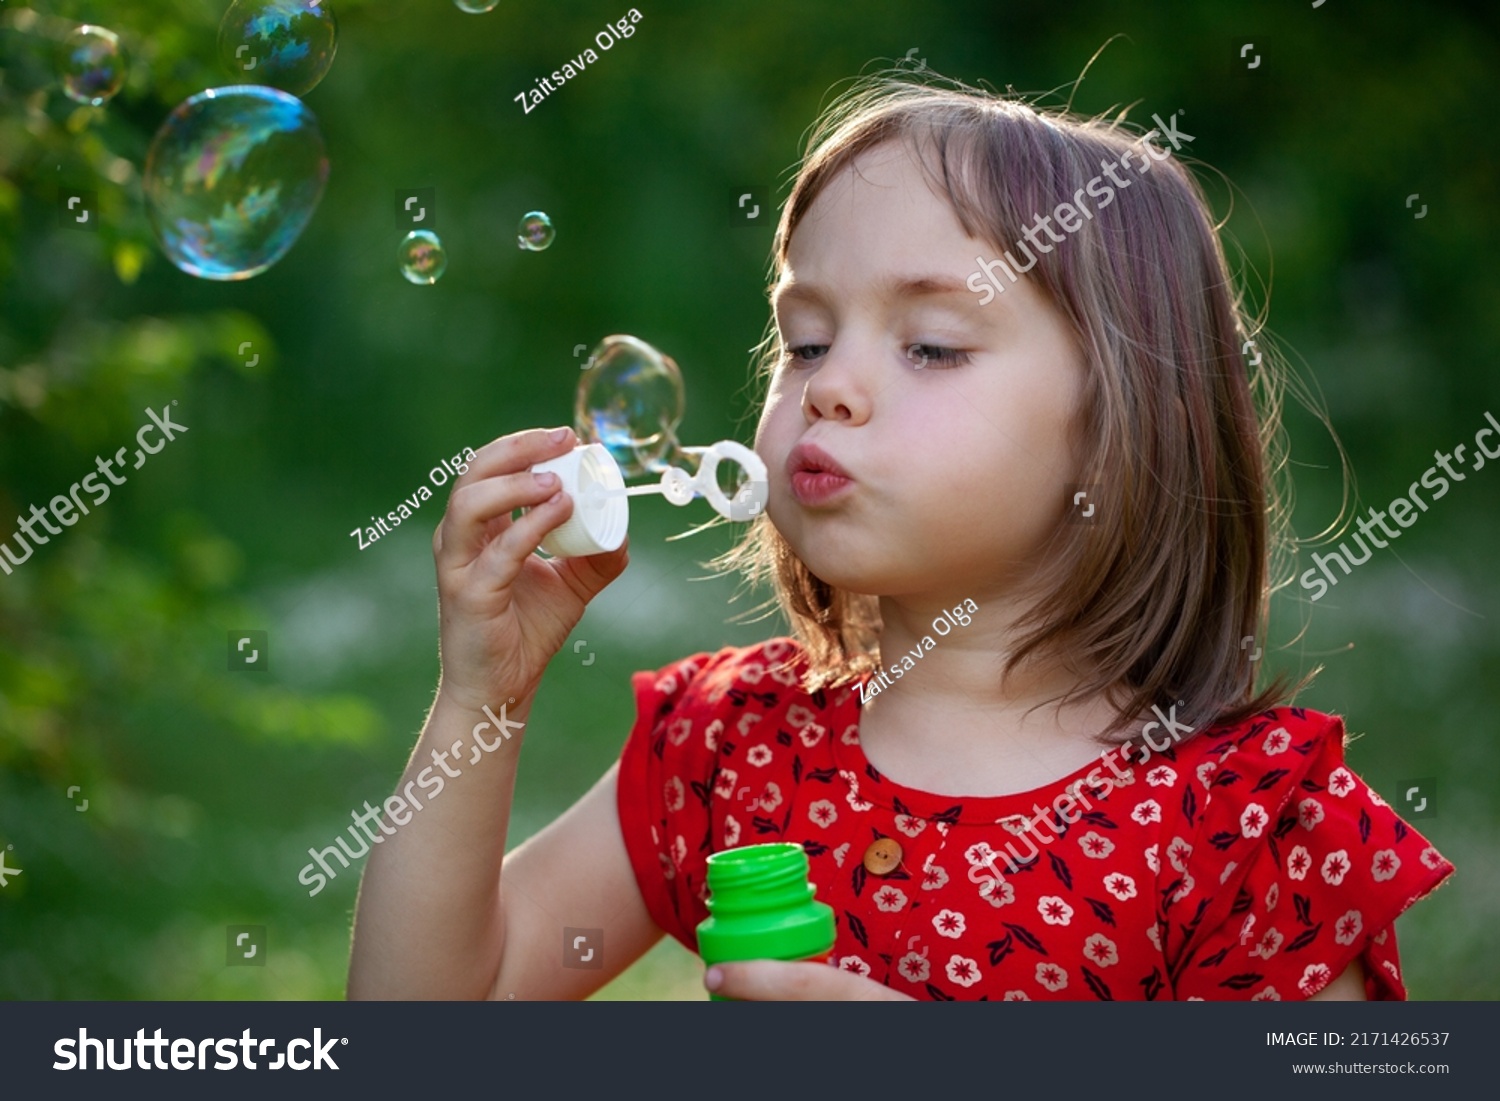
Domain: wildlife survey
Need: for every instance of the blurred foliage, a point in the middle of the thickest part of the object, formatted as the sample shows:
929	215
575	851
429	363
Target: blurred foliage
205	787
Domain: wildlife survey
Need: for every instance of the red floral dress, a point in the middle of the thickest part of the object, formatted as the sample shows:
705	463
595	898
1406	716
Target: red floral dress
1243	862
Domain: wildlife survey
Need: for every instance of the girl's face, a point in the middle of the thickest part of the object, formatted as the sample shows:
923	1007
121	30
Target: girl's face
952	423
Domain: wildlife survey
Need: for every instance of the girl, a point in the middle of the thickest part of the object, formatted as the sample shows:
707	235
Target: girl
1019	525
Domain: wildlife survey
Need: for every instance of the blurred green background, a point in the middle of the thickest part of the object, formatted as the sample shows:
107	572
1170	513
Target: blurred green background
205	788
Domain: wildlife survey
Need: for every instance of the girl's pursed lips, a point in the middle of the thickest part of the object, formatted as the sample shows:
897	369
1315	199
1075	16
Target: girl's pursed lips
815	476
812	487
810	458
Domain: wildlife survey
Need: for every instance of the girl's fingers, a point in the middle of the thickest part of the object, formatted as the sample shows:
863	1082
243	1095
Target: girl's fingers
503	559
479	511
515	452
587	576
797	981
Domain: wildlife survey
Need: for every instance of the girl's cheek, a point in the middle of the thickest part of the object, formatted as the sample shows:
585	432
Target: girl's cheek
772	416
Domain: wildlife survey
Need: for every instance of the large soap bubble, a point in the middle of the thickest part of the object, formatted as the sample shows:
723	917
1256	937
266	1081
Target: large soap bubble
232	179
287	44
92	65
631	400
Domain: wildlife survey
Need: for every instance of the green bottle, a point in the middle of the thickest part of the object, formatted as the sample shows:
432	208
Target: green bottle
761	907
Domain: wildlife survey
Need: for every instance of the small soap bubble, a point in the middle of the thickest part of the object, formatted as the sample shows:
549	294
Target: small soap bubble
287	44
631	402
422	257
232	179
535	232
476	7
92	65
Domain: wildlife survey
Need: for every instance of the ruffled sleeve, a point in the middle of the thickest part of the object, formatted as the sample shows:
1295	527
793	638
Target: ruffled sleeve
668	770
1283	867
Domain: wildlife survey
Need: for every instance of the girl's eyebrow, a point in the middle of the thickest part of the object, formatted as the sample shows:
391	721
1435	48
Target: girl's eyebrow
911	286
791	291
916	286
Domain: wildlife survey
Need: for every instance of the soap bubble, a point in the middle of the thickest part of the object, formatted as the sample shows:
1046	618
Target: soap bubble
476	7
535	232
232	179
631	401
92	65
287	44
422	257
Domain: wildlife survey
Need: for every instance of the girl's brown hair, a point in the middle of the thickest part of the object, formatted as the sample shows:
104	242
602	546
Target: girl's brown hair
1160	592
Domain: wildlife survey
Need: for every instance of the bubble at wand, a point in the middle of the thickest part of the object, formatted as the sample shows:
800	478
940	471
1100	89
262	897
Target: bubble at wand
628	408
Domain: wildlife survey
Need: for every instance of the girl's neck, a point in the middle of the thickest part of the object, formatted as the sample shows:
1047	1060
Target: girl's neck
951	724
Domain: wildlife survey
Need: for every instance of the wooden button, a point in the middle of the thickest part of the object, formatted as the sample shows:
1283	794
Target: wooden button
883	856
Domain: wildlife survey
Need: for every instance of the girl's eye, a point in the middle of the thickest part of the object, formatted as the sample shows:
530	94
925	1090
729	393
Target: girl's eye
804	353
933	355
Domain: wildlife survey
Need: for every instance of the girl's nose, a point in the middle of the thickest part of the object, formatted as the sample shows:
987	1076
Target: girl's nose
838	389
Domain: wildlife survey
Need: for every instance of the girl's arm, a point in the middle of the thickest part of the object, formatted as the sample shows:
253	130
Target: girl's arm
438	917
435	917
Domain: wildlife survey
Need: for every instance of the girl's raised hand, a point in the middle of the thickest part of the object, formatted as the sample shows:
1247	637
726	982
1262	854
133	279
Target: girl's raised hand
504	611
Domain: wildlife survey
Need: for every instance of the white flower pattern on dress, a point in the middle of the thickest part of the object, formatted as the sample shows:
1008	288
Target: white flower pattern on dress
1253	820
1309	813
1178	852
1101	950
1335	867
1053	977
1349	926
997	892
914	968
962	970
1146	812
1314	978
1096	845
1270	943
949	923
910	826
1054	910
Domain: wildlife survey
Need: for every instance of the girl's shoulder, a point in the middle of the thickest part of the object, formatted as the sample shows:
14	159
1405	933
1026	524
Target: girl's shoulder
769	674
1265	777
1282	732
1271	843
